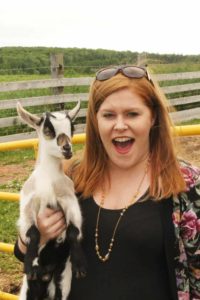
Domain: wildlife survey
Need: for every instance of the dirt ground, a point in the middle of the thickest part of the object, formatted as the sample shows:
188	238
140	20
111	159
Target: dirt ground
189	150
15	172
9	283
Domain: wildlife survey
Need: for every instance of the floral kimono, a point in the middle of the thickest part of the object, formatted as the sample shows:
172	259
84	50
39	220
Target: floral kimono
186	220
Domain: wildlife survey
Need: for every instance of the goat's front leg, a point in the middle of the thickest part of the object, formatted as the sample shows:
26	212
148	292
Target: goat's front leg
77	256
31	264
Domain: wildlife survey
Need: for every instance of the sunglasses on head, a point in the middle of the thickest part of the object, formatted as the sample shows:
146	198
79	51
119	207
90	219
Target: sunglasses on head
128	71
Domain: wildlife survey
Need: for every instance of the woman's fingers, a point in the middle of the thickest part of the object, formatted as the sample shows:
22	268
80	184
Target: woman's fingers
58	223
51	223
57	231
50	219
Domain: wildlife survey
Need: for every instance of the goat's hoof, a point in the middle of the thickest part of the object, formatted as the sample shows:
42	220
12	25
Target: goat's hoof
80	274
79	266
46	277
32	276
79	271
32	273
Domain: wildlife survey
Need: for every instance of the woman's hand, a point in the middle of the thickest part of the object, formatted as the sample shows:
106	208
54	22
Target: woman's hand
51	224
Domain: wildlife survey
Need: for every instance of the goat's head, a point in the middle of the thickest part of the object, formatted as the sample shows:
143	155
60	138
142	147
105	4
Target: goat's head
54	130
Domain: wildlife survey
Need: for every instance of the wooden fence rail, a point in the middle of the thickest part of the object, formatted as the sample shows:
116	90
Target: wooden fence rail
36	84
169	90
44	83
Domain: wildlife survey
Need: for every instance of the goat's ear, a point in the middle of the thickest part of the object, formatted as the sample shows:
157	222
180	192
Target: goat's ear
32	120
72	113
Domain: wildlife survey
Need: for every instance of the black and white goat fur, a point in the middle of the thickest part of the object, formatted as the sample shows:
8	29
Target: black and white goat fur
47	271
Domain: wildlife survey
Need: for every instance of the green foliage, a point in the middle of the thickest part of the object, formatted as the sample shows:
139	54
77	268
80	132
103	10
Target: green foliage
81	61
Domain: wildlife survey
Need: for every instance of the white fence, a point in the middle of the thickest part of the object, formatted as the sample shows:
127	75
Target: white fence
171	90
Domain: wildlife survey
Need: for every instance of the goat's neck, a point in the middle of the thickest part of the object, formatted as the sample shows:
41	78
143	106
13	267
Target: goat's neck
49	163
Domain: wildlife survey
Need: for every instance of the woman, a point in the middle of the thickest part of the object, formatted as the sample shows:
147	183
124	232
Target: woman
140	204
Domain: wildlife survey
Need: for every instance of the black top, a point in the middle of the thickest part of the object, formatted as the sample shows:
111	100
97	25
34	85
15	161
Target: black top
137	268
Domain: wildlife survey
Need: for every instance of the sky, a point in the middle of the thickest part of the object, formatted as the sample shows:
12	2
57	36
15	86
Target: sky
153	26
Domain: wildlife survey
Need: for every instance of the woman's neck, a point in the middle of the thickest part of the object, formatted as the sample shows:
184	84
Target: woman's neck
118	173
123	185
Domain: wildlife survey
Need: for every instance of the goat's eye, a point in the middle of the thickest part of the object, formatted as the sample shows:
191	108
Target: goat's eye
49	130
48	134
46	131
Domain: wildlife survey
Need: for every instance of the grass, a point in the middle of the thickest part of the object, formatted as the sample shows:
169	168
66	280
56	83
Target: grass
23	77
16	156
11	274
173	68
10	267
191	122
41	92
8	218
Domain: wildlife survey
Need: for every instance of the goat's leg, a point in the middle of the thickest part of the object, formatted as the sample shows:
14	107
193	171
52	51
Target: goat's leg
31	258
77	256
65	280
37	290
24	289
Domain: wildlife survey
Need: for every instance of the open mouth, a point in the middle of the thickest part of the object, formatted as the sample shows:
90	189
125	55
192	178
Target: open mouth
67	154
123	144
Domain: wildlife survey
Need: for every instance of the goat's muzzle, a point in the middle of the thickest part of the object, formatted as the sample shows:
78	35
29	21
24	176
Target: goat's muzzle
67	151
64	142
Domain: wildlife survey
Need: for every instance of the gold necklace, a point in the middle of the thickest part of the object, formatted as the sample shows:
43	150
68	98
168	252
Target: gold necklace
134	199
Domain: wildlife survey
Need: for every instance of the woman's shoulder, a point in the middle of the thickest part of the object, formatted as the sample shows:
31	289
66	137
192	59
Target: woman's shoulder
190	173
188	200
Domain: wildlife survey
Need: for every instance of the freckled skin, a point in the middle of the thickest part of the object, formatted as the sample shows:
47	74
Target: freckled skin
124	114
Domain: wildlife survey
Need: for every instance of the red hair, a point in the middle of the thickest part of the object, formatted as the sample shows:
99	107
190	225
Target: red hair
166	177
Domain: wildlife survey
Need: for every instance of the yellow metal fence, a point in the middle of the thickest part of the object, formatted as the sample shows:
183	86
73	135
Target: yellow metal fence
187	130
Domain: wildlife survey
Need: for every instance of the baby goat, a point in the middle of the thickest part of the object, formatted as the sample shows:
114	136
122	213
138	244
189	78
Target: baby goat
48	269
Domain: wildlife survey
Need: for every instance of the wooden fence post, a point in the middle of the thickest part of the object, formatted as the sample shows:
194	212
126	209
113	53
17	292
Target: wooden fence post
57	71
142	59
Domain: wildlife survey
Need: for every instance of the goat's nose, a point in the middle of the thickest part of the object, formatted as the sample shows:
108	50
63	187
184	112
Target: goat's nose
66	147
67	151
